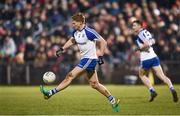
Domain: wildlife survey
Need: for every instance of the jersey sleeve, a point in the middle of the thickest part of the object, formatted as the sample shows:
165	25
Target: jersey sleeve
139	42
92	34
73	33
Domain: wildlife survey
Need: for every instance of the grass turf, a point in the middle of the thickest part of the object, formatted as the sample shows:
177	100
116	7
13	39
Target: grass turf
83	100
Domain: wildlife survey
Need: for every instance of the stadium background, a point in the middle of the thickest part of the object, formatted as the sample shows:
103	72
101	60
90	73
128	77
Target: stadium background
32	30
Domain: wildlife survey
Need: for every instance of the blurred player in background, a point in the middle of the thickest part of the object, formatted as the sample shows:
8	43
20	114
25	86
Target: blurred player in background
149	59
85	38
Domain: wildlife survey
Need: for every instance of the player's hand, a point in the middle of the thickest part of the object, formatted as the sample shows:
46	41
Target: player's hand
146	50
59	52
146	47
146	44
137	49
100	60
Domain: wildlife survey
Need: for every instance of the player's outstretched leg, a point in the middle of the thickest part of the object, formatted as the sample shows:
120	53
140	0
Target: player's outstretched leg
65	83
160	74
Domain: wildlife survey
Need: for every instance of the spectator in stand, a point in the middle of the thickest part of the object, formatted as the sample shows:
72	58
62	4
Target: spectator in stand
9	49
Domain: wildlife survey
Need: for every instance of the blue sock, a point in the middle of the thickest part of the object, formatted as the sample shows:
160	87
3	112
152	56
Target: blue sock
172	89
53	91
151	89
111	99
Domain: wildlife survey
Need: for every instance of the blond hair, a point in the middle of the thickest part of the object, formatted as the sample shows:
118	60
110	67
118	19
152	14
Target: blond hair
79	17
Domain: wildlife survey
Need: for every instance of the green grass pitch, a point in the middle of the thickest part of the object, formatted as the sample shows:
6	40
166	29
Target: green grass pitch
76	100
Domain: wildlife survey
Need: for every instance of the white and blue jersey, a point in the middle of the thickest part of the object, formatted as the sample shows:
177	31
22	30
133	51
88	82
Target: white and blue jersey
148	59
86	41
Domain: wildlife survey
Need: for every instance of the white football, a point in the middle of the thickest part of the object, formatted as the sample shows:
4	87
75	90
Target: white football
49	77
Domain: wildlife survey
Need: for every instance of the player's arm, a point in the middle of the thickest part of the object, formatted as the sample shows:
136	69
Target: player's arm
68	44
147	44
102	46
99	39
94	36
143	47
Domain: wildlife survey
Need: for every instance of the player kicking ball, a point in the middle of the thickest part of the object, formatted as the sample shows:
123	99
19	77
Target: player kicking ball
149	60
85	38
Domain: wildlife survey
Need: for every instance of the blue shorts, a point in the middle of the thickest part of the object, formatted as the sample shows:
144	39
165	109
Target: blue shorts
147	64
88	64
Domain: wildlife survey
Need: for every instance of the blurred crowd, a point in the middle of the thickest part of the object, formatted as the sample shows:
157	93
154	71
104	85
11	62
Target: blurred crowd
32	30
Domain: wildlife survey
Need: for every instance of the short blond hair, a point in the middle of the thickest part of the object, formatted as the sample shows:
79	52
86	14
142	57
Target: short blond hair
79	17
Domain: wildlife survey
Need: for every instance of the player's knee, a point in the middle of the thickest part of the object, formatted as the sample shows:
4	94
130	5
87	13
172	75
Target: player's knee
94	84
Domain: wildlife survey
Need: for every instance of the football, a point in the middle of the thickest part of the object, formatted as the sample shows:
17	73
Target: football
49	77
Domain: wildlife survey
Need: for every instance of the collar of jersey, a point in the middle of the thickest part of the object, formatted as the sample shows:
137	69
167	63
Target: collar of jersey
141	30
